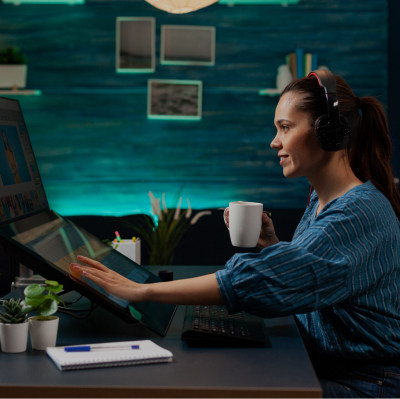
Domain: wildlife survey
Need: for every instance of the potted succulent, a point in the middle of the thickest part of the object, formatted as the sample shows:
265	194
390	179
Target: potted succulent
13	68
13	327
43	327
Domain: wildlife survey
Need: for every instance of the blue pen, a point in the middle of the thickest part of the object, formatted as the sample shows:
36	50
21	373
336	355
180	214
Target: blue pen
89	348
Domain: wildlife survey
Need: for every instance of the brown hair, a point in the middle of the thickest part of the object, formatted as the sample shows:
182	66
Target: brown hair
369	148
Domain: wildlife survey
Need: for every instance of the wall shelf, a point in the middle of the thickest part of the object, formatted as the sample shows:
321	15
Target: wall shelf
284	3
270	92
20	92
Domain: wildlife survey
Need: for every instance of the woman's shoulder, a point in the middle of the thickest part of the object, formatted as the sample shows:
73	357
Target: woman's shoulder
365	202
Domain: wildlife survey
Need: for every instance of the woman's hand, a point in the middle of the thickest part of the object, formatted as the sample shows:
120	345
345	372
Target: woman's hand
267	234
112	282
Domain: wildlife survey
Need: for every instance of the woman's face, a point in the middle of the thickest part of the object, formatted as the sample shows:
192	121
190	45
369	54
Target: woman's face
299	152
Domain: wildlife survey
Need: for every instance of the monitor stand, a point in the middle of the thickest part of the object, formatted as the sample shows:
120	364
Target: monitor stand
26	278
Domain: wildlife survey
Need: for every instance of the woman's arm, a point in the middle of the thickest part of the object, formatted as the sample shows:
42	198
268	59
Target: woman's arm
202	290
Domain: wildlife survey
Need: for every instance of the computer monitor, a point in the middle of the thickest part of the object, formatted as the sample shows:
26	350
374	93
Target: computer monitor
47	243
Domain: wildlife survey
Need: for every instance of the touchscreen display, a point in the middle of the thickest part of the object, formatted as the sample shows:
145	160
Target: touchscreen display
59	242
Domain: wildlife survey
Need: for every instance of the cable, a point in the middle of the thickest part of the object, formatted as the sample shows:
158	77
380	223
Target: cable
93	306
69	311
71	303
309	195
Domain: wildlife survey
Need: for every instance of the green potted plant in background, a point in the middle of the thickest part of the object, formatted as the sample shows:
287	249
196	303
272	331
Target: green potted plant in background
13	327
43	327
13	68
162	233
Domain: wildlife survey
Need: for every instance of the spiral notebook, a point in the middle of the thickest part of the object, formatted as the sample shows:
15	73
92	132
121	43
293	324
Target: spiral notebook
148	352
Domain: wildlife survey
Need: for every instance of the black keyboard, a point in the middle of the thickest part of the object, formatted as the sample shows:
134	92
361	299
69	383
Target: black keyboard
212	325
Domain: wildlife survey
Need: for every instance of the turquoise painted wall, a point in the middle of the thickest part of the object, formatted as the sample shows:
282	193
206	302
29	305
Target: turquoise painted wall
99	154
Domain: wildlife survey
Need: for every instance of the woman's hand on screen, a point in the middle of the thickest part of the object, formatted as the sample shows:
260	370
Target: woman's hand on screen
112	282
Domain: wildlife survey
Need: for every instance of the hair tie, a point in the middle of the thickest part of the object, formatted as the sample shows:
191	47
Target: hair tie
358	102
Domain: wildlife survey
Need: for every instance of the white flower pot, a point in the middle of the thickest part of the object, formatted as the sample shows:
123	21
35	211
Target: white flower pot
14	337
13	76
43	333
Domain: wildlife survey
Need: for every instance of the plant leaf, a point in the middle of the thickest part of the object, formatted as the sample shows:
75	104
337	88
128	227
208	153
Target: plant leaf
27	308
35	301
52	283
48	307
34	290
19	315
57	298
7	308
56	289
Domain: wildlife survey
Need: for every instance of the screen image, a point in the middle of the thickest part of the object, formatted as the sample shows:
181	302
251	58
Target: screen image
13	167
21	188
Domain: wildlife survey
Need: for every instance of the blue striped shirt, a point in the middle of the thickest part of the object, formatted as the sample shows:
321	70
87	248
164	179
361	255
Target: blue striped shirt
339	276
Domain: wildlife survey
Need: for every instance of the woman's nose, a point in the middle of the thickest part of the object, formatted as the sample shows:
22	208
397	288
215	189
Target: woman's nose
276	144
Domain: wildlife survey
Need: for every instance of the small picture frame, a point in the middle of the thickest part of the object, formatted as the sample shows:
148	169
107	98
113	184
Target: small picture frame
135	45
187	45
174	99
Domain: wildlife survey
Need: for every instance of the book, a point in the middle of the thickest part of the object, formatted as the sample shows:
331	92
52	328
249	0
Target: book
307	64
293	64
300	62
314	62
148	352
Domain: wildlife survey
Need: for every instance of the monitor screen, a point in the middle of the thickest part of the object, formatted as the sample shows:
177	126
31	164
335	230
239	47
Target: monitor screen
21	188
47	243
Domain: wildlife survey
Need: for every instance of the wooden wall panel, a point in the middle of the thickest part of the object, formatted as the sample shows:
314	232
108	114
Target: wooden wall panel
98	153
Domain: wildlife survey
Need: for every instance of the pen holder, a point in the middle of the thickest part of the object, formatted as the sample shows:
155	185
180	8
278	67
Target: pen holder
128	248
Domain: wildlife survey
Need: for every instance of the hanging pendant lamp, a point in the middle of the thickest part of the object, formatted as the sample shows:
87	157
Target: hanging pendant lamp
180	6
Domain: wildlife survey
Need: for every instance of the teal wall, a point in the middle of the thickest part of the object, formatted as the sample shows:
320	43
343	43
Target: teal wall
99	154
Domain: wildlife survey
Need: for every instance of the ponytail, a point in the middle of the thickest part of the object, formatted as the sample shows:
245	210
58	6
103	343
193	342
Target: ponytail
369	148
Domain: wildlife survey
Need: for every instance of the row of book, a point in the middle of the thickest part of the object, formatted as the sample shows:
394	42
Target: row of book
301	64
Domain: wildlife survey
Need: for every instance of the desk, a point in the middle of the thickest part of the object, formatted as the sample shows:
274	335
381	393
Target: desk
284	370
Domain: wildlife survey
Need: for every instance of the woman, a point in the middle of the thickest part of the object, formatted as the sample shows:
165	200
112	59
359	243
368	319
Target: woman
340	274
11	158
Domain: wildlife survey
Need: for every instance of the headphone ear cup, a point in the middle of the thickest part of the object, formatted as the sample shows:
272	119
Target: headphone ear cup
321	128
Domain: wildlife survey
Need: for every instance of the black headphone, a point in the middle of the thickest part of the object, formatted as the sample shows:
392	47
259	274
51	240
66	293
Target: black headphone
332	130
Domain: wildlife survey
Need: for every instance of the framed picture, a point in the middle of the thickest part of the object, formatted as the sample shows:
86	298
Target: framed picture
174	99
135	45
187	45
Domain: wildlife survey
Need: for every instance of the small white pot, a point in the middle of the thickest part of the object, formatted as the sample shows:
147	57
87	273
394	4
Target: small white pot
43	333
14	337
13	76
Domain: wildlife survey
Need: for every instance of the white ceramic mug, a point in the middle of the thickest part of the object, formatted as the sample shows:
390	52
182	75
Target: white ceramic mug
244	223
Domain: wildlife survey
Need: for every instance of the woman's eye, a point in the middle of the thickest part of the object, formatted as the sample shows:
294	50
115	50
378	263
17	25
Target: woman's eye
284	127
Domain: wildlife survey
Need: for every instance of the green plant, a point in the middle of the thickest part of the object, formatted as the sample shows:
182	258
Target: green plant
162	233
109	243
11	56
14	312
44	305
